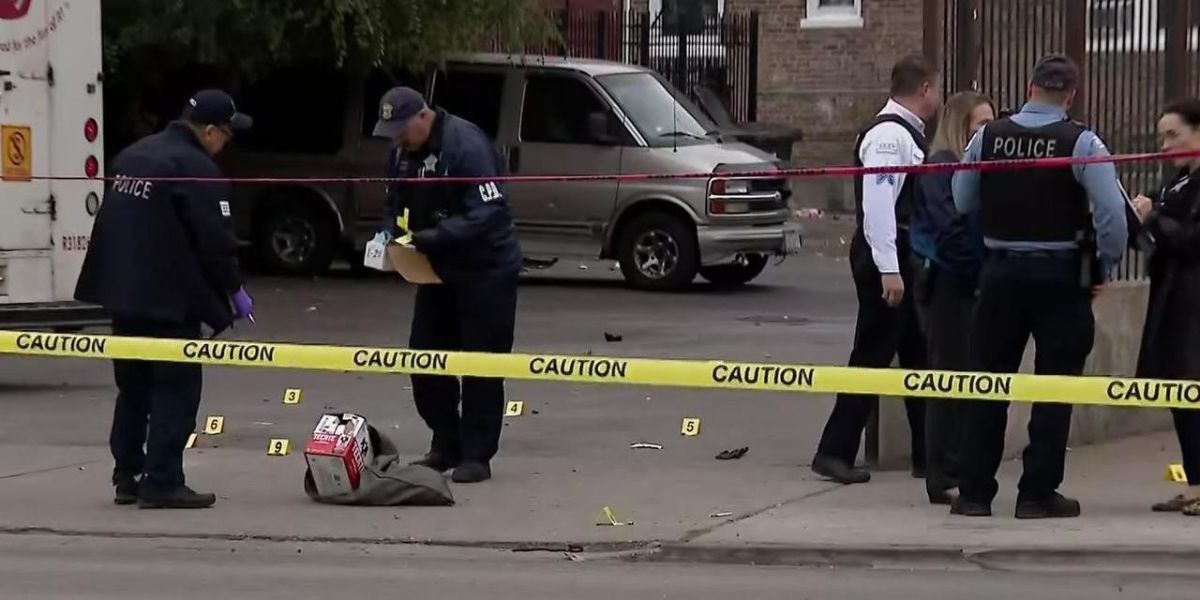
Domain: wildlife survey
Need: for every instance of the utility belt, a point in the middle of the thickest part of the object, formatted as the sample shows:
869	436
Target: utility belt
1089	269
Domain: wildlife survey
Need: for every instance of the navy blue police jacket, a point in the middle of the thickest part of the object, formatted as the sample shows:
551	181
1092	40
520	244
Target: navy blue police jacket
163	251
466	229
938	232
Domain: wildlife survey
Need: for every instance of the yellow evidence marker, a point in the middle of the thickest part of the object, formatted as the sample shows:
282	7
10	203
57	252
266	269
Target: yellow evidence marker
191	442
606	518
1176	474
214	425
691	427
279	447
292	395
514	408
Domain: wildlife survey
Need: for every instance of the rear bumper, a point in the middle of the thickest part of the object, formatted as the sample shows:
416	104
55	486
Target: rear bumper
720	244
53	315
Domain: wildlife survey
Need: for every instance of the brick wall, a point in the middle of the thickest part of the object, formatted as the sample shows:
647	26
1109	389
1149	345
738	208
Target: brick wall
828	82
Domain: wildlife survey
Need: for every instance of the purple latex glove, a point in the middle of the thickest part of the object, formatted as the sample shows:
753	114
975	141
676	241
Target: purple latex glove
243	305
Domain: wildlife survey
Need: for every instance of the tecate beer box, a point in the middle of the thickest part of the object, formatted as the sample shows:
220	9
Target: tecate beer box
337	452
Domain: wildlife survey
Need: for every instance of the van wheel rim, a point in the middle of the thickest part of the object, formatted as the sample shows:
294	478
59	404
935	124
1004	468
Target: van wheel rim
294	240
656	254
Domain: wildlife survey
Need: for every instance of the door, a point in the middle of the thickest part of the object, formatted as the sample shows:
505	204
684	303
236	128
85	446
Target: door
26	207
555	138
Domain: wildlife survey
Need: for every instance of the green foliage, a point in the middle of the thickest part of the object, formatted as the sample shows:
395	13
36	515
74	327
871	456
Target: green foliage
146	41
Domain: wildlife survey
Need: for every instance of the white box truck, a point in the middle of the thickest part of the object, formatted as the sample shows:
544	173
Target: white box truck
51	111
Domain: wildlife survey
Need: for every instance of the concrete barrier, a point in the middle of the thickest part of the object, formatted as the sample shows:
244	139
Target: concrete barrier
1120	313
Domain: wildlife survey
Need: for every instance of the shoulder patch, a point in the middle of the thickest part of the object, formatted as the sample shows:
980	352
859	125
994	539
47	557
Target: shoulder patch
887	147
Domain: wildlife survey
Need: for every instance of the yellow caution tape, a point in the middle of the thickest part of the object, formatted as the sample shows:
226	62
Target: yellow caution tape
711	374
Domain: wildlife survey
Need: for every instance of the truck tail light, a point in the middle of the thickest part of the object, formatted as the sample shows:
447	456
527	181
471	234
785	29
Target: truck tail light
91	166
91	130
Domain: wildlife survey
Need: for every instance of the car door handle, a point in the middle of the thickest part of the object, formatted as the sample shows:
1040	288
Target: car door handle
514	159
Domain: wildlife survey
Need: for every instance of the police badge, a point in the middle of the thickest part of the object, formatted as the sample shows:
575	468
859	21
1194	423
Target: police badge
385	112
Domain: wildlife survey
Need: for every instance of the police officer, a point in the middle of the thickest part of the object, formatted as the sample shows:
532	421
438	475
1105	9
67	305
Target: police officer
162	261
880	262
466	230
1038	279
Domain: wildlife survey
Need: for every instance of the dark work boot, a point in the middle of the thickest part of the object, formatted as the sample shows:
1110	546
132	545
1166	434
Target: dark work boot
439	461
1056	506
180	497
126	491
837	470
970	508
471	472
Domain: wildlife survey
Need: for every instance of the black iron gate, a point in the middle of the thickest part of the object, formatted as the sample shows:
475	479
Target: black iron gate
718	53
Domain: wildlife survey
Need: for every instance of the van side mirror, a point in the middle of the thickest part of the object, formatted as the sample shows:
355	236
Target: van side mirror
602	129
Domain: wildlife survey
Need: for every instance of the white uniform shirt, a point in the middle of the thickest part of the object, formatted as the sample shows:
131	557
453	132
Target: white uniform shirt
886	144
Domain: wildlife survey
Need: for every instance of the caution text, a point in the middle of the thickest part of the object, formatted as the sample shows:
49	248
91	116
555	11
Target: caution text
765	375
970	384
590	368
66	344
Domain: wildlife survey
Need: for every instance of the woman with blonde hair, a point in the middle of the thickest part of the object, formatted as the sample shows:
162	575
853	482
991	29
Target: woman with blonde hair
949	249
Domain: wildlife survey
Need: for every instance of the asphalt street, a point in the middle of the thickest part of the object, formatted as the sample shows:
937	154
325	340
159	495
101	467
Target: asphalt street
799	312
48	568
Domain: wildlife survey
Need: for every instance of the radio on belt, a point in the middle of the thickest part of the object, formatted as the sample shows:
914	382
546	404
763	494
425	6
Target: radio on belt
337	453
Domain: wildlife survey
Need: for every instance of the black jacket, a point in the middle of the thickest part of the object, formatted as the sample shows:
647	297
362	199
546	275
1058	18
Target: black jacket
466	229
1171	337
161	250
938	231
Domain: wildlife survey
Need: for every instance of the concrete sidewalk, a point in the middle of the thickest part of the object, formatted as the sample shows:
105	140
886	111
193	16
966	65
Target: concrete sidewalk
780	515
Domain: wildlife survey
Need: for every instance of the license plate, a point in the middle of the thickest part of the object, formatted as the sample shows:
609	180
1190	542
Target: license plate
791	242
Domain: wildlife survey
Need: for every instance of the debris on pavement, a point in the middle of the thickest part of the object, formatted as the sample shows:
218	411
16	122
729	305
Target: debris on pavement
733	454
606	518
645	446
612	337
720	515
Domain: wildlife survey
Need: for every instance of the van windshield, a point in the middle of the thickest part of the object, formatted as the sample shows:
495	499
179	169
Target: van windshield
655	109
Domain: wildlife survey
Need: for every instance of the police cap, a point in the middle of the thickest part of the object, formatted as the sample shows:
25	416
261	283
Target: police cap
396	108
1056	73
215	107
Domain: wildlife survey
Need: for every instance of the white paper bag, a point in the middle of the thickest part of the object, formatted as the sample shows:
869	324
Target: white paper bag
375	256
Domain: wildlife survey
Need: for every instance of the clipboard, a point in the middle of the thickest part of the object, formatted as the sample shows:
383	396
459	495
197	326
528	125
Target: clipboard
413	266
1132	221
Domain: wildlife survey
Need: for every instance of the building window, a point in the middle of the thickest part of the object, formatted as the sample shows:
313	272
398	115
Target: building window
833	14
691	16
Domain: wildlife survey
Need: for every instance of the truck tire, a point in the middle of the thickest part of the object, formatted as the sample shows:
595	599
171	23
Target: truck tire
737	273
658	252
296	238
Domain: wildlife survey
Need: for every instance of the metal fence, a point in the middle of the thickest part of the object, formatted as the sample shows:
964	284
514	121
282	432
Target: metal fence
1135	55
719	53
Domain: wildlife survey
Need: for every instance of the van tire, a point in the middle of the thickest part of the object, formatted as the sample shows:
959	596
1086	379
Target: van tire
737	273
652	239
296	238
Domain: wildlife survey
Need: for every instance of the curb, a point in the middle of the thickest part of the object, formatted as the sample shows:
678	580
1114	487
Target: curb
1112	559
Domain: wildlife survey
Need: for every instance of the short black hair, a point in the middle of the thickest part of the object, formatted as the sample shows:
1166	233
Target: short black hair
910	73
1188	109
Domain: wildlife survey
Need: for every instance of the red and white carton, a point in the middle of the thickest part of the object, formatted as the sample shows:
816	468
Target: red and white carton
337	453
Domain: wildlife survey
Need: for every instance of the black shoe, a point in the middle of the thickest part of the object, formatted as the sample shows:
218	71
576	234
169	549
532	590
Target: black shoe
180	497
839	471
471	472
438	461
1056	506
969	508
127	491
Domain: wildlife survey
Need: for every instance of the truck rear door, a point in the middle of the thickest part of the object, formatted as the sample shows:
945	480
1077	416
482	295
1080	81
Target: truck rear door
26	261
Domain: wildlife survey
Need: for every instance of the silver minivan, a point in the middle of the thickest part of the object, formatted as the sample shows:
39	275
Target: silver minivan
581	117
558	116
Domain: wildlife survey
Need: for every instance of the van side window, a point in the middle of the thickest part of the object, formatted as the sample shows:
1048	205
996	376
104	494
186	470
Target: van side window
473	95
556	110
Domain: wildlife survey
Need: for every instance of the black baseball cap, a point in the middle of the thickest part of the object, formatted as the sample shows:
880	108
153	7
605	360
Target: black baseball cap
396	108
215	107
1056	73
